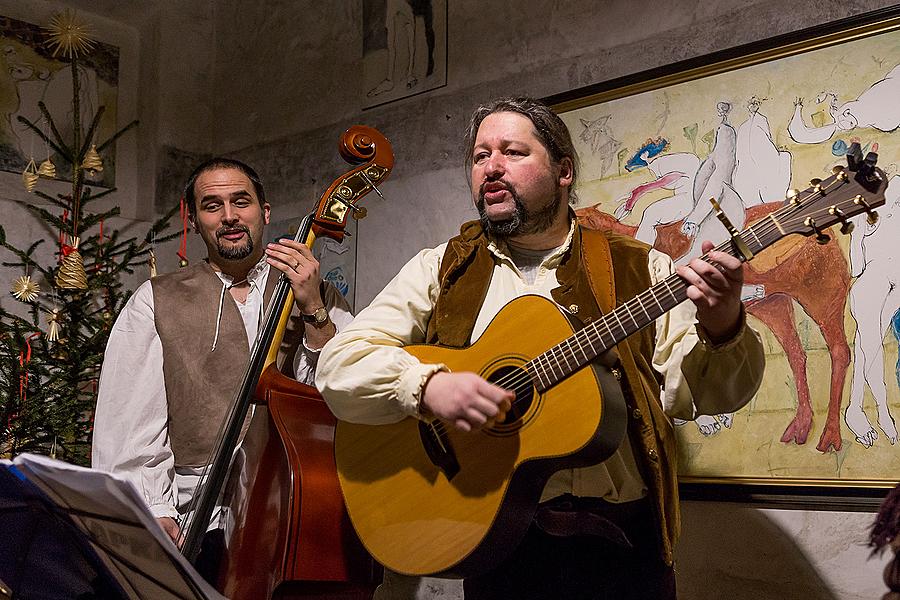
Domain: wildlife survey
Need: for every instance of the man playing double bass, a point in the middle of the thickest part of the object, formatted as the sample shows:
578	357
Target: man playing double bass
602	531
181	344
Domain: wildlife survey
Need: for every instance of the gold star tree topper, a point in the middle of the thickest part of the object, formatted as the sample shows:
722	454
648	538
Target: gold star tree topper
69	35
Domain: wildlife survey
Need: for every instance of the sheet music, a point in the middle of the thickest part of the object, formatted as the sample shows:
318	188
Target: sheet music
115	519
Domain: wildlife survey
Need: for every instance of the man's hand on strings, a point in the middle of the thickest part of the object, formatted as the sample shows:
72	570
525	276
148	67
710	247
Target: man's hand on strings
171	528
715	288
301	268
465	400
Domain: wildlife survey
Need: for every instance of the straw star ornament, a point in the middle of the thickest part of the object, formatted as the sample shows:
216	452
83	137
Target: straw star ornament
68	35
25	289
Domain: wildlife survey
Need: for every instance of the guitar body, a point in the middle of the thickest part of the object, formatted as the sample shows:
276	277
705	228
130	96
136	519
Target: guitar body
418	518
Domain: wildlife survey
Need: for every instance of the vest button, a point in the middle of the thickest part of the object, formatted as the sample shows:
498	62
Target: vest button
651	453
573	308
637	414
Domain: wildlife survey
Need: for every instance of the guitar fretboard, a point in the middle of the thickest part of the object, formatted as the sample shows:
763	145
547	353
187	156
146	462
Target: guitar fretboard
594	339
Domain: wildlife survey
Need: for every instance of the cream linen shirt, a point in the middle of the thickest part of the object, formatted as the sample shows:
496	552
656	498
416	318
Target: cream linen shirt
366	377
131	422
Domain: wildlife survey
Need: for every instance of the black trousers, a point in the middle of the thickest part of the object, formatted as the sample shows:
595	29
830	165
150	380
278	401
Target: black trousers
583	549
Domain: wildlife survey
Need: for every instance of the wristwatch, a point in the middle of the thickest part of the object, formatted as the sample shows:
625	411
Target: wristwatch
319	316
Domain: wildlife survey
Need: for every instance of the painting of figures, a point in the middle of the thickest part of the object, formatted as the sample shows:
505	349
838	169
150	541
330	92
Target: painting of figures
829	313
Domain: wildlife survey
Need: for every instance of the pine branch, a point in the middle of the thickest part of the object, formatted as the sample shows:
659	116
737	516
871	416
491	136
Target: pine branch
90	132
49	198
47	216
39	133
117	135
88	221
101	194
62	148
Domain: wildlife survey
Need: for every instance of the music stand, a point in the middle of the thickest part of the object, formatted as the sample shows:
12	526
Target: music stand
71	532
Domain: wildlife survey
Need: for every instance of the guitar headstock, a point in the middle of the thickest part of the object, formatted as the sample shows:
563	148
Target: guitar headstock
852	190
359	144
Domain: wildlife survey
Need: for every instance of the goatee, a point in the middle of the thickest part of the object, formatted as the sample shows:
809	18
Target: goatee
234	252
522	222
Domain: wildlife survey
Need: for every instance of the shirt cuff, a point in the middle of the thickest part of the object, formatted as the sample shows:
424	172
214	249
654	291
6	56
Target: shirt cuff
164	510
311	352
728	344
411	385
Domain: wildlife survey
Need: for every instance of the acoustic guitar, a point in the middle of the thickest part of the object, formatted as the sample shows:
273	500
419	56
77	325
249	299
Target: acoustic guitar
426	499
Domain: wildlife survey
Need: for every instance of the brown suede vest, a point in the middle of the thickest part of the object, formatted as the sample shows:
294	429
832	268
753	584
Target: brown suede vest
200	384
586	282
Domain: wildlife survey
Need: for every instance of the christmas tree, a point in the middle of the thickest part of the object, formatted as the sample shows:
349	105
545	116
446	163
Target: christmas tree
50	358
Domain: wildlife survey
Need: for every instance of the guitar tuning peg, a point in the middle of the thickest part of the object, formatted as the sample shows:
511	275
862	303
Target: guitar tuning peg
840	173
871	159
872	215
822	238
846	226
794	196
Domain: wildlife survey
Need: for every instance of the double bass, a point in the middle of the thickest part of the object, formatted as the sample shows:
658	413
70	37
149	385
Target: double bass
290	535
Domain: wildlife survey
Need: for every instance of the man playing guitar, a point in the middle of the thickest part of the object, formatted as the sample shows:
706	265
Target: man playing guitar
601	530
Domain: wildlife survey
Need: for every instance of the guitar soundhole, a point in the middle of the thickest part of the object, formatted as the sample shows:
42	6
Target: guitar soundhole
517	380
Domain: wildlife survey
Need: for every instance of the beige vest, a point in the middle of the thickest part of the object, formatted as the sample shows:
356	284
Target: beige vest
600	271
201	384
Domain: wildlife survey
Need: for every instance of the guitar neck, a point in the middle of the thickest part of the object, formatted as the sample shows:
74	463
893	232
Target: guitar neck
594	339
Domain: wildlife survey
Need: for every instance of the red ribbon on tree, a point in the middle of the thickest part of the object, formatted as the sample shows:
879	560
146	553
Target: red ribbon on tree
24	359
64	248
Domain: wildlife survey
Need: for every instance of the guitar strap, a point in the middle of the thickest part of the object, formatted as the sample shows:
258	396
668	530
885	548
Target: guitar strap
597	259
653	437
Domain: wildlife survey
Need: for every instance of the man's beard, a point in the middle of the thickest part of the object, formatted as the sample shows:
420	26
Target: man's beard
234	252
521	222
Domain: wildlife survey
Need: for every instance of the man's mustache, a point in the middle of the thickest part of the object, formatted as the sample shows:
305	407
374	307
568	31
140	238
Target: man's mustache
222	231
495	185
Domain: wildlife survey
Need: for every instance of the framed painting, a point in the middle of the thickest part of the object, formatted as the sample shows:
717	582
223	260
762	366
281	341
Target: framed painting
745	126
404	49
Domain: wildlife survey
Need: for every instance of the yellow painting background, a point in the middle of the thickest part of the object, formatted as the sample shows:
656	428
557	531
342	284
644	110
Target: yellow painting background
751	448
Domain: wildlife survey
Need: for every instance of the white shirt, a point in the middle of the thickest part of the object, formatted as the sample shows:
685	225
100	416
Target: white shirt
131	421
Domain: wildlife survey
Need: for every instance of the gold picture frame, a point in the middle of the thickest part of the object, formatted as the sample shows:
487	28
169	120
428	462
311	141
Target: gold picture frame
746	125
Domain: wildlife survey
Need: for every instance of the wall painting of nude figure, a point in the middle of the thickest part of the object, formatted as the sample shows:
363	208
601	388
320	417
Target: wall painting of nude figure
745	127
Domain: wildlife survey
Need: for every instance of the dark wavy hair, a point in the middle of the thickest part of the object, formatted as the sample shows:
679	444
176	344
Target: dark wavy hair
548	127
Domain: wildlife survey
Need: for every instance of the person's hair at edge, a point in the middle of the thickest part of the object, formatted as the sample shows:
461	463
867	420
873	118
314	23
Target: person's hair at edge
221	162
548	127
